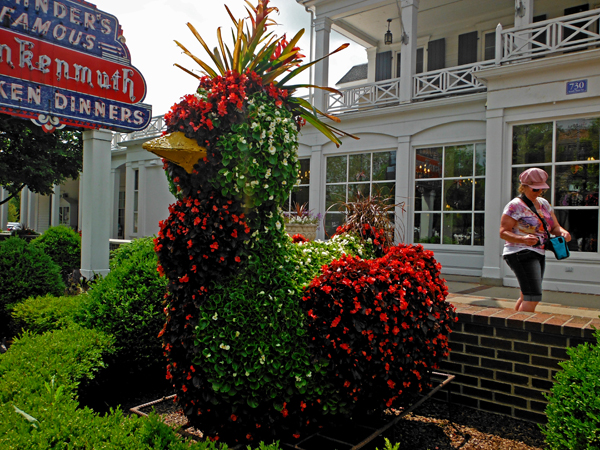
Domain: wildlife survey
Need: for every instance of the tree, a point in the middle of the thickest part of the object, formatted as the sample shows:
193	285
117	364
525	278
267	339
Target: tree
29	157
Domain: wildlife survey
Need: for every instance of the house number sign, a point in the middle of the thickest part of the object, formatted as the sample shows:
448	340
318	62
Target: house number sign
577	87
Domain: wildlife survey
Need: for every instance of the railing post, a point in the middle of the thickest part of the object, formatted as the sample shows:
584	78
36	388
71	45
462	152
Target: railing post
498	44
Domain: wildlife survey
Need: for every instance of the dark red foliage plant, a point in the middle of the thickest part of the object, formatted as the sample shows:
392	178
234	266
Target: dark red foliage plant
383	324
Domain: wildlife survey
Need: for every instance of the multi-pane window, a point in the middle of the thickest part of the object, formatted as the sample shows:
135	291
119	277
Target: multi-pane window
348	176
136	193
449	199
569	151
300	192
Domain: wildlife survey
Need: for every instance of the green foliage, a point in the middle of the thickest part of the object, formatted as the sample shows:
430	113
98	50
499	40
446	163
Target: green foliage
47	313
30	157
253	358
390	446
252	169
39	378
63	245
14	209
25	271
127	304
573	409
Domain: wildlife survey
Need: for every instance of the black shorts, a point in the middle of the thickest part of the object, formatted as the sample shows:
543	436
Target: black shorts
529	268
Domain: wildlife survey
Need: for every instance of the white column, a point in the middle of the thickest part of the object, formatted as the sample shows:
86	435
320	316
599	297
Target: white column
95	203
495	143
129	186
24	205
527	18
371	57
32	203
404	166
323	32
316	196
142	193
114	208
408	54
3	209
54	215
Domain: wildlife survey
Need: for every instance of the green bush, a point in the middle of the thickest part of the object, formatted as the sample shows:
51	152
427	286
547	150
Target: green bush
127	304
573	409
63	245
41	314
39	377
25	271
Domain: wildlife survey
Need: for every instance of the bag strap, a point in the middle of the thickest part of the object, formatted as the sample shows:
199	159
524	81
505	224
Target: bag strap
531	206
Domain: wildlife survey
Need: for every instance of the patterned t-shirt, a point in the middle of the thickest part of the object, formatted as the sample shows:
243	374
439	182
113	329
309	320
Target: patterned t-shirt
528	223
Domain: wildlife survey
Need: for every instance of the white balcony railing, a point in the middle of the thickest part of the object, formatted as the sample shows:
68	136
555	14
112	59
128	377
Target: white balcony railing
449	81
365	96
155	128
574	32
567	33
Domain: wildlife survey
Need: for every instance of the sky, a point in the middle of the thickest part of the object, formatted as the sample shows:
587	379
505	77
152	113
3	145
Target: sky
151	26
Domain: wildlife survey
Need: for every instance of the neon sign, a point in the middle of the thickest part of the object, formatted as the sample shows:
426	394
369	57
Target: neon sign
66	63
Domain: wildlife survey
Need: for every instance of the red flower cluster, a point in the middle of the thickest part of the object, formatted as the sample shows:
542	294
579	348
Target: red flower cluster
298	238
378	236
382	323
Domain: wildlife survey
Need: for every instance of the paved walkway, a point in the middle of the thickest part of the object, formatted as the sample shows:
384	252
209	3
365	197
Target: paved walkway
468	290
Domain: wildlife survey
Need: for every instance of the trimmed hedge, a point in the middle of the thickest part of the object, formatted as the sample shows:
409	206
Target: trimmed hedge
47	313
127	304
63	245
573	409
39	377
25	271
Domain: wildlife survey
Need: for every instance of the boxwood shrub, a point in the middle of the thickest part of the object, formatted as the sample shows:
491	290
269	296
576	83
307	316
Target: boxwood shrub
46	313
39	380
25	271
63	245
573	409
127	304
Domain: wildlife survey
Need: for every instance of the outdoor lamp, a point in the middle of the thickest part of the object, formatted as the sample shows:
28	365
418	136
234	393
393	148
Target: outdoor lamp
388	35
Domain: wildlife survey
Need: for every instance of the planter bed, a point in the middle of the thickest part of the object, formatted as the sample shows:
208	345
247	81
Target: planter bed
353	434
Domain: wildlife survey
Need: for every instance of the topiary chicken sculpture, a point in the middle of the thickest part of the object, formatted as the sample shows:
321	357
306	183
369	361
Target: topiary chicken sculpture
263	335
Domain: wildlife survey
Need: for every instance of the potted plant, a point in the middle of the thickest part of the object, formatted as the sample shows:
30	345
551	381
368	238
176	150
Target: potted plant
302	221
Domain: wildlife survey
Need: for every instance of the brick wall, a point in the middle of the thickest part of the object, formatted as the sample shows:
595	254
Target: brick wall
505	361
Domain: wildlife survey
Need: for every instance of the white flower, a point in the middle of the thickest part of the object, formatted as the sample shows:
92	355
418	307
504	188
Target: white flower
216	316
262	359
237	334
278	225
224	347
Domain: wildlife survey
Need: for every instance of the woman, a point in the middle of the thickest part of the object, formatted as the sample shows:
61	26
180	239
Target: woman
525	237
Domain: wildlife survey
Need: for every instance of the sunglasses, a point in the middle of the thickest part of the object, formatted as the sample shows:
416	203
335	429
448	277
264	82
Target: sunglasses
535	190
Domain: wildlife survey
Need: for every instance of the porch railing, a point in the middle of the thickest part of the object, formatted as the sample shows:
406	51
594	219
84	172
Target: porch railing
365	96
155	128
449	81
567	33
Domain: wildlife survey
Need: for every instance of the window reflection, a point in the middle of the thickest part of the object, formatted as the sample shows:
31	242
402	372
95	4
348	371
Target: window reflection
429	163
577	140
458	161
427	228
576	185
532	143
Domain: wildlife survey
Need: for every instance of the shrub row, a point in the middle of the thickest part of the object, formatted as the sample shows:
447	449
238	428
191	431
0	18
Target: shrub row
40	377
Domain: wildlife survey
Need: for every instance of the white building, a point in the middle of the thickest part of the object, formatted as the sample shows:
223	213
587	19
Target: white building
468	94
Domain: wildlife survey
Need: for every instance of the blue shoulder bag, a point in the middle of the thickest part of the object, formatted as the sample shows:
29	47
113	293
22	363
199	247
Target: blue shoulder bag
557	245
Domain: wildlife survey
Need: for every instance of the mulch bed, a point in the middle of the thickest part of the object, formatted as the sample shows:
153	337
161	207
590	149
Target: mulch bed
435	425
